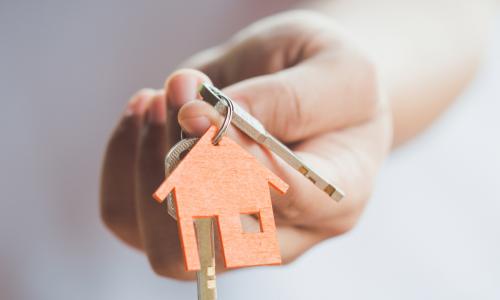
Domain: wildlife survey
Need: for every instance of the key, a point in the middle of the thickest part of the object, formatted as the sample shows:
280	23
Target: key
206	284
205	277
255	130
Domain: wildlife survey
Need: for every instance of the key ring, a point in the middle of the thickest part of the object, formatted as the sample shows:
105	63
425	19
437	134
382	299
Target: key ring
227	120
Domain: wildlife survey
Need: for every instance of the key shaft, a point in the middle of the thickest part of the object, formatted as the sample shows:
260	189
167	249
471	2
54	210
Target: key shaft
205	277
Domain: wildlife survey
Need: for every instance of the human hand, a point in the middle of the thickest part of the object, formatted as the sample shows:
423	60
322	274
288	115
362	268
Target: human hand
310	86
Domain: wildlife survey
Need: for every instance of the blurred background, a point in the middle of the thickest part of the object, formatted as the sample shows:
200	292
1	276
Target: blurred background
67	68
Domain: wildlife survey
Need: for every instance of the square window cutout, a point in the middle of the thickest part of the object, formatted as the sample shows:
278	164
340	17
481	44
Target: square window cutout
250	223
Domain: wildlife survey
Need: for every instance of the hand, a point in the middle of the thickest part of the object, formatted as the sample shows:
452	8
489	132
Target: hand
310	86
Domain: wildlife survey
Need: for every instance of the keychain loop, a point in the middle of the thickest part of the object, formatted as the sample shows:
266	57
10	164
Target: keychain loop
227	120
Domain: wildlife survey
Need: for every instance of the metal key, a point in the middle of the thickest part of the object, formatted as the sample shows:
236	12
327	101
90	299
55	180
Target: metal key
254	129
206	284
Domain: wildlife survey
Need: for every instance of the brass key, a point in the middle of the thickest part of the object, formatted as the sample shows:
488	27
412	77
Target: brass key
206	284
207	289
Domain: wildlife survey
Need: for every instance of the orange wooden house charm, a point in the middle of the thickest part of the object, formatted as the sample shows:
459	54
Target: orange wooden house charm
224	181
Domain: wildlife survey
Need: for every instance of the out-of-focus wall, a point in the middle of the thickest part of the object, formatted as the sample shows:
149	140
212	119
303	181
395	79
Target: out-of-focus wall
66	70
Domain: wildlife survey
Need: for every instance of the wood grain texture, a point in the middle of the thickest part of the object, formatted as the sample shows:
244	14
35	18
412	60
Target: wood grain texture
224	181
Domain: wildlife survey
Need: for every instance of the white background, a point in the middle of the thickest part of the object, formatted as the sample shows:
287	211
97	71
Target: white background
432	230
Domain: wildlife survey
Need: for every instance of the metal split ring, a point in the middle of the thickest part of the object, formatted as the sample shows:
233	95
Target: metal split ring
227	120
172	159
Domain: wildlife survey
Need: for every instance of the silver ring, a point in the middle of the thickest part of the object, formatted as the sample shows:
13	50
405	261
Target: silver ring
172	159
227	120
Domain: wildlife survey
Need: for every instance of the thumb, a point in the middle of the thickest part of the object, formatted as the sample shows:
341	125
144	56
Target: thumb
317	96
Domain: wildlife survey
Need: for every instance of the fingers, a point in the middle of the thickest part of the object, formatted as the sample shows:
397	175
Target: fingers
194	116
158	230
117	180
182	86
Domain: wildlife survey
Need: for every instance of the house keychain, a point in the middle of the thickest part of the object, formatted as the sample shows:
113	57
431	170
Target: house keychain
215	183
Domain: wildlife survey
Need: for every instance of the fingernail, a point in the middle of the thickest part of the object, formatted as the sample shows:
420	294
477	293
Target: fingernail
136	105
182	92
195	125
131	108
157	111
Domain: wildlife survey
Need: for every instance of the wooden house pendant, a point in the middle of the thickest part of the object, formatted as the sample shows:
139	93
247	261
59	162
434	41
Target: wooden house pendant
224	181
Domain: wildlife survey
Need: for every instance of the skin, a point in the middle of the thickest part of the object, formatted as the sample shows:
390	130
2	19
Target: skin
314	86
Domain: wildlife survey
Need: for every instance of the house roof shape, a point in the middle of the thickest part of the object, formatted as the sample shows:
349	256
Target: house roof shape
224	181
